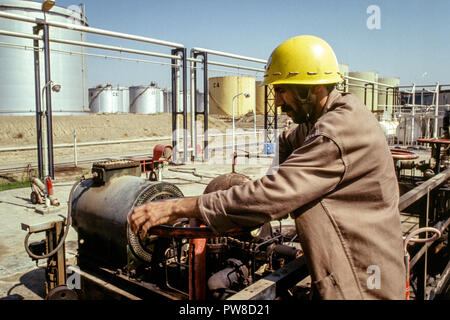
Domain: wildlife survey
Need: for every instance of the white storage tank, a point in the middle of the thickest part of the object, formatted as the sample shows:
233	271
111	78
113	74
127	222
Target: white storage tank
146	99
168	101
103	99
17	80
121	96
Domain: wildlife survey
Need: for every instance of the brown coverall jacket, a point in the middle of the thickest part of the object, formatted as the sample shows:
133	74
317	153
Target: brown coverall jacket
338	182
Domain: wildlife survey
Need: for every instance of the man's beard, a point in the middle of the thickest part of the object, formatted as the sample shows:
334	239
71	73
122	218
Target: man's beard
302	114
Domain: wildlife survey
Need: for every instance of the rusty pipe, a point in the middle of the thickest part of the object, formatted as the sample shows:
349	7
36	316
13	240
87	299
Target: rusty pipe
197	267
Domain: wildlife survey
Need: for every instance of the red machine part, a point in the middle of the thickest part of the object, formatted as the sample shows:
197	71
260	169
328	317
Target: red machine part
197	269
49	184
162	153
400	154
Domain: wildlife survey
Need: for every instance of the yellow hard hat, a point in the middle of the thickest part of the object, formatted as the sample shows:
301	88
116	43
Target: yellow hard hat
306	60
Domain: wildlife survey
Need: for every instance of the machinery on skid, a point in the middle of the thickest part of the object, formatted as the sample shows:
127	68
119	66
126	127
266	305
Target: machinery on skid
187	260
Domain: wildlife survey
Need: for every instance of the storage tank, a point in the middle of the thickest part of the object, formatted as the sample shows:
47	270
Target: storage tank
168	101
386	95
17	84
102	100
123	99
343	70
260	97
358	87
145	99
223	89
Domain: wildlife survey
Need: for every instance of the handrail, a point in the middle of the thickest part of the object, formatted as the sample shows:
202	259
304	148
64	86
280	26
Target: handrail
415	194
90	30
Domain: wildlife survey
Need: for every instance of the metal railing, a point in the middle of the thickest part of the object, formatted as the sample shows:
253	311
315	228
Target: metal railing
441	222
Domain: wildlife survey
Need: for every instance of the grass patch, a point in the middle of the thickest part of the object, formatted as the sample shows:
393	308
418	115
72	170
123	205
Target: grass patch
14	185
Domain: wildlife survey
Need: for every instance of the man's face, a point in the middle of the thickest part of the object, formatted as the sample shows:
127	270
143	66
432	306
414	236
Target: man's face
284	97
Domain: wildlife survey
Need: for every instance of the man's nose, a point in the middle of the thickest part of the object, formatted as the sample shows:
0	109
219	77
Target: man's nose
278	99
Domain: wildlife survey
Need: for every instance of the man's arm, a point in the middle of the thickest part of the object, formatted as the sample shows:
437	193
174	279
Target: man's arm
151	214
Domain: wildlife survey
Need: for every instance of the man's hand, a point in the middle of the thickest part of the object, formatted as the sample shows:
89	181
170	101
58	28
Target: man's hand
151	214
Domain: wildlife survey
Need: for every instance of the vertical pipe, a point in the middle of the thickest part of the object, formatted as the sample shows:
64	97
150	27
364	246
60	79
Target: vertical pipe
436	113
413	113
205	106
373	97
197	288
232	126
174	105
37	92
266	118
426	250
185	88
274	108
365	94
48	101
193	107
75	151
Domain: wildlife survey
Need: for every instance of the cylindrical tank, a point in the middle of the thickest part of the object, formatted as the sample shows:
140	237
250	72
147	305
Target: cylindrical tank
365	91
168	101
223	89
101	99
124	100
343	70
386	94
260	97
99	214
17	80
145	99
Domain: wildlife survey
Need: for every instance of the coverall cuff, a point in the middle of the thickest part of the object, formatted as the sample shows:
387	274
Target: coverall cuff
213	213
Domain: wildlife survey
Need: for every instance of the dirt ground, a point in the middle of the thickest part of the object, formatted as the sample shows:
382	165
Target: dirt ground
16	131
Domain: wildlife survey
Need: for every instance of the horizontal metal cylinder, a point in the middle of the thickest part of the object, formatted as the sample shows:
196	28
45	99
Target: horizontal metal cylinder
99	214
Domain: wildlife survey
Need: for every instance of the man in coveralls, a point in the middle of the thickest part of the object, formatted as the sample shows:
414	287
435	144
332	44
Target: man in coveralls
336	178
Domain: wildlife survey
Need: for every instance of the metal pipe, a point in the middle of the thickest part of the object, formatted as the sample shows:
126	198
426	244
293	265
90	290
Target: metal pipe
75	152
223	64
89	45
413	113
415	194
185	88
48	101
37	92
421	252
424	86
205	107
19	34
94	143
368	81
174	76
91	30
193	106
436	112
114	48
230	55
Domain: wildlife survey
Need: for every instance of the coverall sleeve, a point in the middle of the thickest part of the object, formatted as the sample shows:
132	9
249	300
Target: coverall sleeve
310	172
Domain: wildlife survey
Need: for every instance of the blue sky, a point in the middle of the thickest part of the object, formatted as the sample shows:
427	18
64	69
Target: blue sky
412	42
